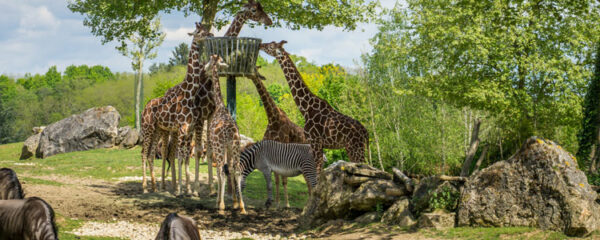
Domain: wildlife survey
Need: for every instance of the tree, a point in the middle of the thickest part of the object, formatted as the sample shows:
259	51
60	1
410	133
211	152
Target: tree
590	124
116	20
143	49
180	55
526	63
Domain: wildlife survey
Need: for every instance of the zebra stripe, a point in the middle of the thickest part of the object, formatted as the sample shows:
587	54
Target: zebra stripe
286	159
30	218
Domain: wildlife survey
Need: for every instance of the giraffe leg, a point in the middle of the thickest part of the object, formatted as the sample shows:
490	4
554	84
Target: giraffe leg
199	147
183	154
210	158
231	177
172	158
356	151
285	191
188	174
316	151
144	173
221	194
163	150
235	158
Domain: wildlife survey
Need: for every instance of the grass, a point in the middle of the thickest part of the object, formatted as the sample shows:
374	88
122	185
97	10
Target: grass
111	164
31	180
470	233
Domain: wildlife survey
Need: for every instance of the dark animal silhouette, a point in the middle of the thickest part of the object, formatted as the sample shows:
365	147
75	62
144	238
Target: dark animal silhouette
27	219
176	227
10	187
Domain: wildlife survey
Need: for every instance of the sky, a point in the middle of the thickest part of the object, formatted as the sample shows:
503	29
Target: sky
38	34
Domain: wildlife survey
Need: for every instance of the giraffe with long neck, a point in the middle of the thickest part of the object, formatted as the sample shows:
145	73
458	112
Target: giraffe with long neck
177	112
279	128
225	141
250	11
324	126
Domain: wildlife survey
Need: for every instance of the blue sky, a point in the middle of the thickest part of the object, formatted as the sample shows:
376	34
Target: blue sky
37	34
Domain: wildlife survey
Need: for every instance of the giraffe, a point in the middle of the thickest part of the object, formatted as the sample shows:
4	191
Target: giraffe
225	141
324	126
252	10
176	114
279	128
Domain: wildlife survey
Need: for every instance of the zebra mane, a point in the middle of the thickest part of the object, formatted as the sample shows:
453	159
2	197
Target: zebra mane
50	212
248	145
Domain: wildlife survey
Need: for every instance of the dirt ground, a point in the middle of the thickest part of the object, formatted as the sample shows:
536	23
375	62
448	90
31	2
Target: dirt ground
107	201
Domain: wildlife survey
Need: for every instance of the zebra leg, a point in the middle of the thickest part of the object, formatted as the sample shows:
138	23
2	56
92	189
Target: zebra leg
267	175
276	188
285	192
221	193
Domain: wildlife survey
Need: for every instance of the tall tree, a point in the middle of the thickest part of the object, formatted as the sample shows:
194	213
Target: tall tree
116	20
524	62
142	49
590	125
180	55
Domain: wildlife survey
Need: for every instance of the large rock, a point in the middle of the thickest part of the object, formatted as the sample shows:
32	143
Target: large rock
94	128
348	190
30	146
399	214
127	137
540	186
439	219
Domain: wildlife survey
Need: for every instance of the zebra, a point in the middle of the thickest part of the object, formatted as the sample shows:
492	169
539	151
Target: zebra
31	218
285	159
178	227
10	187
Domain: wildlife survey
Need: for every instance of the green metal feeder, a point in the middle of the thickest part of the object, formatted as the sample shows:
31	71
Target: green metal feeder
240	53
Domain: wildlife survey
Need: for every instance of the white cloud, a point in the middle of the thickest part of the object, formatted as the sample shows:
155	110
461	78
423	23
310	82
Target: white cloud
179	34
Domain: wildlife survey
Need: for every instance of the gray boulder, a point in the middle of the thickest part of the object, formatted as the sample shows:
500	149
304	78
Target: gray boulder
399	214
94	128
347	190
439	219
30	146
539	186
127	137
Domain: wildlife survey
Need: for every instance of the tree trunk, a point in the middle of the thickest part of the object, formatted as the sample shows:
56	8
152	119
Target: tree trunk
594	159
209	11
472	149
139	91
480	160
375	135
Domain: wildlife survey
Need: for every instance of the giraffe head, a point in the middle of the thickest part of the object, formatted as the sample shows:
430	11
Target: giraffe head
215	61
273	48
255	12
201	32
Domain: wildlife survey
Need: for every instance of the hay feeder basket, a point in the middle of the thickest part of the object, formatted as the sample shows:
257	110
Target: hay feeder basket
240	53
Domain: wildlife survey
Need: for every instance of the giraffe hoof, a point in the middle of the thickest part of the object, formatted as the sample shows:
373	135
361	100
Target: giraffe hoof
221	212
144	190
243	212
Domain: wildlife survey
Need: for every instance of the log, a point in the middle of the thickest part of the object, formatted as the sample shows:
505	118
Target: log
452	178
408	183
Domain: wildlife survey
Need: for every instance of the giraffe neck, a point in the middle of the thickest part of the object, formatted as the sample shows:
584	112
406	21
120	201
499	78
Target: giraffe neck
301	93
236	24
268	102
194	68
217	98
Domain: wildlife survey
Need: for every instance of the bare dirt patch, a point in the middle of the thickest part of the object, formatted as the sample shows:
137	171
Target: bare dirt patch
105	201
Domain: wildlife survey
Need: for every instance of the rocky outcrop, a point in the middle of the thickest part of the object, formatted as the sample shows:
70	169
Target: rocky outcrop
540	186
399	214
348	190
30	146
435	193
94	128
127	137
439	219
